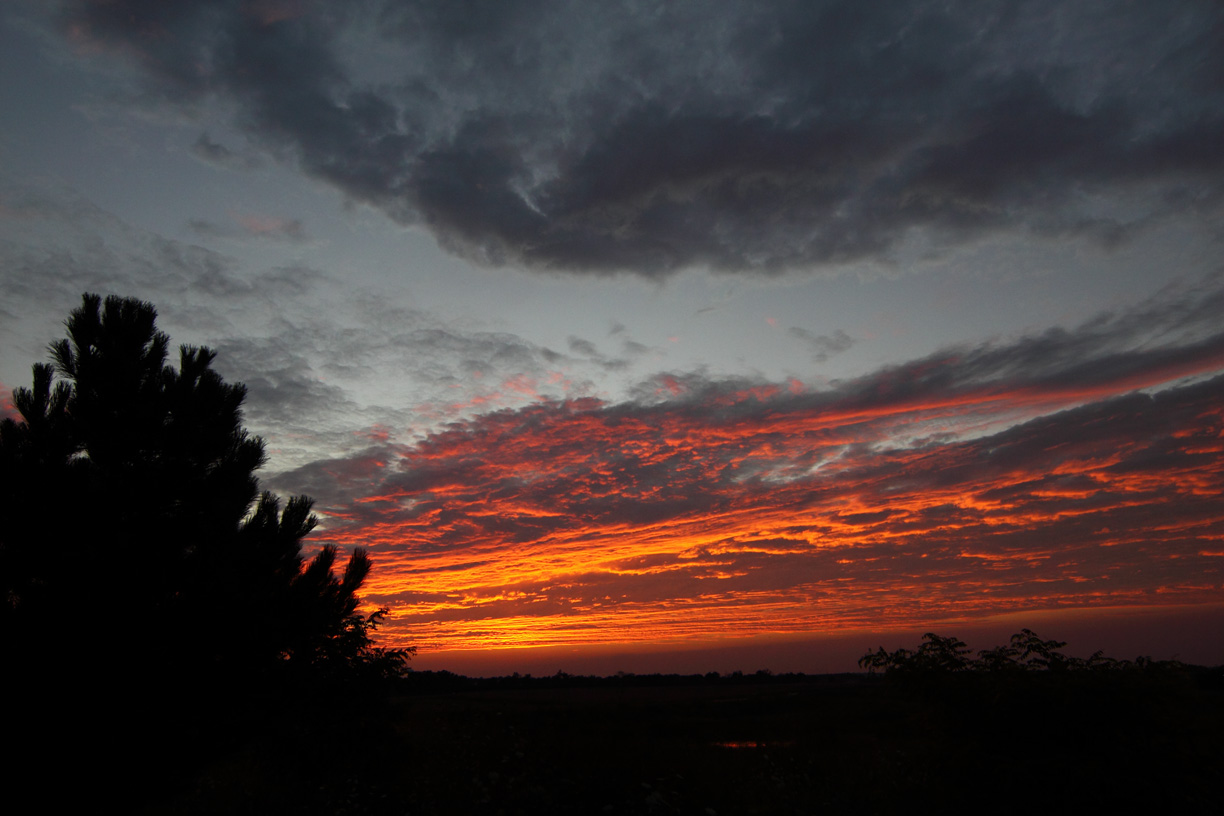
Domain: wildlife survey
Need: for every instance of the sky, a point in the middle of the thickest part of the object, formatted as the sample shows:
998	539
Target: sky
665	336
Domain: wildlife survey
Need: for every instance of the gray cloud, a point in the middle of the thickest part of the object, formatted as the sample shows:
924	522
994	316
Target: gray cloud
209	229
585	349
744	137
60	245
211	152
578	345
261	227
823	346
56	245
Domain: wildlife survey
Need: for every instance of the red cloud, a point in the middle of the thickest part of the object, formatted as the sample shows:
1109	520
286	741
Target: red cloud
918	494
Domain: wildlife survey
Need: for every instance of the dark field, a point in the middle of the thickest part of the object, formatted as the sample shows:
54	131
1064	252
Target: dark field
832	744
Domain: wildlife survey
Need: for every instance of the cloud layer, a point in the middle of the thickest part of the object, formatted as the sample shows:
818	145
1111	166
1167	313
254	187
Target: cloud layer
1067	470
753	137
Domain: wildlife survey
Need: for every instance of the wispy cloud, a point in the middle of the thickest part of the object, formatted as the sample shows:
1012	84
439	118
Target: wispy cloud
250	225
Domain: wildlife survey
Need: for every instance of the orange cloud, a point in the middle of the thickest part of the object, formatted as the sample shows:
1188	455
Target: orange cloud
732	510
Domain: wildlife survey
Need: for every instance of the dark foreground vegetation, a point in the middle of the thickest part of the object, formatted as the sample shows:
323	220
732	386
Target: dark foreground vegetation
156	607
135	538
1145	734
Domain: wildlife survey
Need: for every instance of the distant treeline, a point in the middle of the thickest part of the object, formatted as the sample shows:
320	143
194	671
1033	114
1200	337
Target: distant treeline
428	681
1025	652
1026	655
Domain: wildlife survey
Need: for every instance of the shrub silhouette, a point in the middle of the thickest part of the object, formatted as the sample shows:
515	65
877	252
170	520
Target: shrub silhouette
136	540
1025	652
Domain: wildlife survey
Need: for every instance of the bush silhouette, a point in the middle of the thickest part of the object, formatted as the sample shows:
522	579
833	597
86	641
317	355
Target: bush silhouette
1025	652
136	541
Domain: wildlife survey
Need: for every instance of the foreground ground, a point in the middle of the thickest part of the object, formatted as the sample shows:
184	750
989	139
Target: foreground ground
731	746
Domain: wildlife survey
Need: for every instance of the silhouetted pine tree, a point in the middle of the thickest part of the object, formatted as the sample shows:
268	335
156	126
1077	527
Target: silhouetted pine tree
134	539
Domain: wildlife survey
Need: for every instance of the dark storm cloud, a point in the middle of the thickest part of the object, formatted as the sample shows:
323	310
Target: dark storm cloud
746	137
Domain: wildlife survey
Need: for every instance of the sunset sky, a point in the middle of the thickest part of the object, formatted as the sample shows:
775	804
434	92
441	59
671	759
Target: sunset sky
673	336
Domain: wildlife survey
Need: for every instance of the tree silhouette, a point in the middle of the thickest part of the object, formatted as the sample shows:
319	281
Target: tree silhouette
1025	652
936	654
135	538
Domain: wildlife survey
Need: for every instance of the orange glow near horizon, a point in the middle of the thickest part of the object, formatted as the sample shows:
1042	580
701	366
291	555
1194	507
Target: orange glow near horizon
770	512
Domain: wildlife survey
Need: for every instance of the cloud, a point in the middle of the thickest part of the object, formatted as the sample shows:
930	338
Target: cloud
265	226
823	346
748	138
578	345
1070	469
61	245
315	376
587	351
261	227
211	152
529	522
64	245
